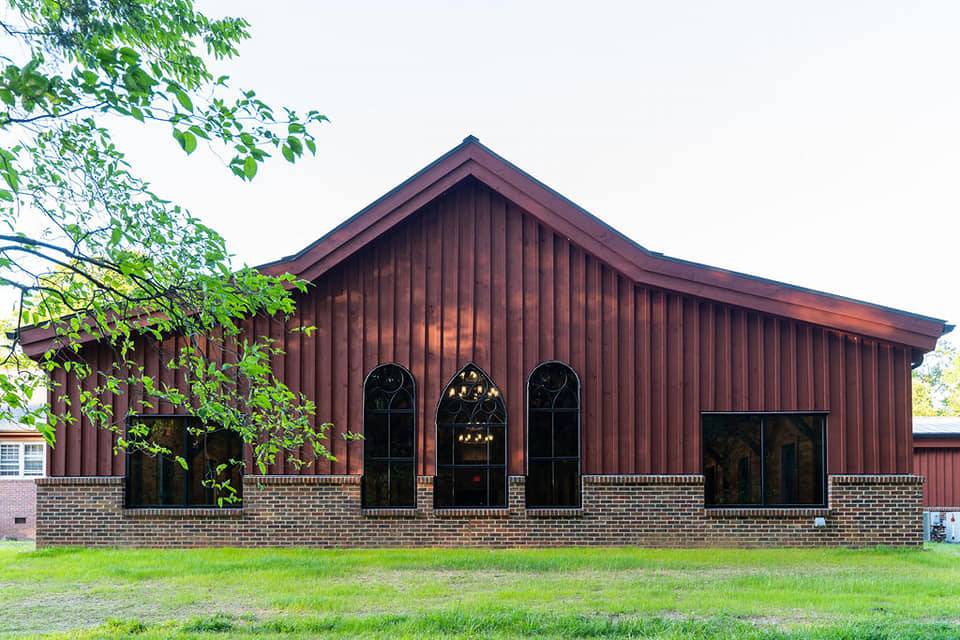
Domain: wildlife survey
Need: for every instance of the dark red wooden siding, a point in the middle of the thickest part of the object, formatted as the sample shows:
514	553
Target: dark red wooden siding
473	278
939	463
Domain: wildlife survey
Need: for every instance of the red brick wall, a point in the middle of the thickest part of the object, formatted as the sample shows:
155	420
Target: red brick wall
18	499
324	511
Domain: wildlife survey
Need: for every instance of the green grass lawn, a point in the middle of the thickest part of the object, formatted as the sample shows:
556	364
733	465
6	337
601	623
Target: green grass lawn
645	593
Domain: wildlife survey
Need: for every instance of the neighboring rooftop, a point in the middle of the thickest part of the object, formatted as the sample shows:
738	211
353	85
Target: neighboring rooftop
936	426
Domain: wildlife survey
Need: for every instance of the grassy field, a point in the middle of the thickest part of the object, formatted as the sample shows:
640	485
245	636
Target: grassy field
300	593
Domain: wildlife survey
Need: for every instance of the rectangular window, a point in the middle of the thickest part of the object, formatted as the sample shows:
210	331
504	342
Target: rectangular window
9	459
33	459
161	481
22	459
767	460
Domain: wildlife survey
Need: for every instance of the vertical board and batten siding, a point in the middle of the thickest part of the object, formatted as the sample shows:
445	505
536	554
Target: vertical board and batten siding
941	468
471	277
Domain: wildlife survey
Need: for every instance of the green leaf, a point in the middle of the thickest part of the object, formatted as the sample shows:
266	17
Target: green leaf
136	113
287	153
184	100
249	167
189	142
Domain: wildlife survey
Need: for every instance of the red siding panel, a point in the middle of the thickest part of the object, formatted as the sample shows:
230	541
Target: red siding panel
473	277
941	467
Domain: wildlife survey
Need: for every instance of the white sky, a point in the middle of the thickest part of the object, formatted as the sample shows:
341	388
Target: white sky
816	143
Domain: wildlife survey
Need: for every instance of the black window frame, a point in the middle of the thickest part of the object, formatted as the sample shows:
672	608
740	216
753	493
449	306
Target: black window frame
129	465
388	459
763	415
453	466
554	459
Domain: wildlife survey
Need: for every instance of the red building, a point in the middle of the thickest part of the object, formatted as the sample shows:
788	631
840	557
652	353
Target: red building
524	374
936	457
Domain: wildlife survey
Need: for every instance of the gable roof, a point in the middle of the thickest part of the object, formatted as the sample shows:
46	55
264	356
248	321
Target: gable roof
472	159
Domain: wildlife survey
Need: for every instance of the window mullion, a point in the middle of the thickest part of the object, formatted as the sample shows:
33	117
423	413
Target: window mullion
763	462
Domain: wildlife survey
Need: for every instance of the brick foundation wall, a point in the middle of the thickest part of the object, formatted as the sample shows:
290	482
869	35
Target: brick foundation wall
18	499
324	511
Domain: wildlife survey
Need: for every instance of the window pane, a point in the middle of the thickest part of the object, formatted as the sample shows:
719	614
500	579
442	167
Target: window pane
159	480
470	487
565	429
539	484
375	483
401	435
473	444
731	459
443	488
793	459
566	478
497	445
209	450
375	435
402	485
33	459
498	488
9	459
541	434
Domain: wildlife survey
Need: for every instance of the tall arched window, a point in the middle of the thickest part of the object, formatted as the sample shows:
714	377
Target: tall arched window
553	436
471	443
389	434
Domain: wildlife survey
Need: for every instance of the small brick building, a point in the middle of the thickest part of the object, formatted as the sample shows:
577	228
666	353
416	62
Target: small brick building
22	461
525	375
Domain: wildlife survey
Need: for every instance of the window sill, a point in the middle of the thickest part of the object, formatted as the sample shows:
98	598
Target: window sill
555	513
767	512
184	512
472	512
390	512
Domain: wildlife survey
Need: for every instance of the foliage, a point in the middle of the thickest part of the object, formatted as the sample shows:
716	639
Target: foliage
426	593
90	250
936	382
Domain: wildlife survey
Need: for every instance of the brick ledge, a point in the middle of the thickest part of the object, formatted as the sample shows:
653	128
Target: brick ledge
411	512
875	479
305	479
773	512
188	512
472	513
678	479
554	513
80	480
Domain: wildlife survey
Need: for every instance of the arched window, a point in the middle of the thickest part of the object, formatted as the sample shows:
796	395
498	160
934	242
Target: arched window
553	436
471	443
389	434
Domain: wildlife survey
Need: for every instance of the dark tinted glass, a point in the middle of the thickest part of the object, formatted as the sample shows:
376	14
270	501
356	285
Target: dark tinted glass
770	460
731	455
389	433
160	481
376	484
566	479
375	431
553	436
539	483
401	435
540	434
471	442
566	434
793	459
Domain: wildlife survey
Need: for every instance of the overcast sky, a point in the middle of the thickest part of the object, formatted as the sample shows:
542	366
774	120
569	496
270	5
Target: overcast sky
816	143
